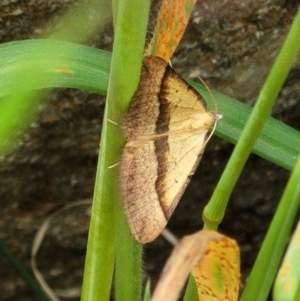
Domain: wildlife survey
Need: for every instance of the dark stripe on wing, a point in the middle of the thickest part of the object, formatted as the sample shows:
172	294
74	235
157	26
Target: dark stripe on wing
161	144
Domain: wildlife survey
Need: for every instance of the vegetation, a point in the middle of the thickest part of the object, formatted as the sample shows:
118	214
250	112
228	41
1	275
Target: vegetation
111	248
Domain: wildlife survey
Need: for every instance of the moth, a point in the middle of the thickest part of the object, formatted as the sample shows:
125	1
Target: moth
166	126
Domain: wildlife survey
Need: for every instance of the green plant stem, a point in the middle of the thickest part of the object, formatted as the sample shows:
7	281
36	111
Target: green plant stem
214	211
128	277
267	262
287	283
130	30
191	290
269	144
81	21
147	293
26	276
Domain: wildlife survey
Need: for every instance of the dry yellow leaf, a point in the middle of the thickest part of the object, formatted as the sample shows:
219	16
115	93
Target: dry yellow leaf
217	273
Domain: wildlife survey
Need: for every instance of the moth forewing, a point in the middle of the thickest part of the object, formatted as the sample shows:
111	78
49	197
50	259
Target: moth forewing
138	171
166	127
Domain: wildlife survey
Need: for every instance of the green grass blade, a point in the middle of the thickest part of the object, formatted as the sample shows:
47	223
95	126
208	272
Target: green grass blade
106	212
191	293
269	145
26	68
128	282
214	211
70	65
81	22
130	28
147	293
55	64
287	284
27	277
263	273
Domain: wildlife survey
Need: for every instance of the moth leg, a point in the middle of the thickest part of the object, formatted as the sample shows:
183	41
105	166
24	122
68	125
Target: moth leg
114	165
170	237
112	122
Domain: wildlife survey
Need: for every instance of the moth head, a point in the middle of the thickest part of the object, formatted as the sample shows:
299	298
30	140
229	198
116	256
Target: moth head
202	120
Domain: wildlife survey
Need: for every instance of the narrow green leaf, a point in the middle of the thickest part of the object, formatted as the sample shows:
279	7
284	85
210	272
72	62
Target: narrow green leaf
263	273
215	209
269	144
20	268
130	29
287	284
191	293
103	245
70	65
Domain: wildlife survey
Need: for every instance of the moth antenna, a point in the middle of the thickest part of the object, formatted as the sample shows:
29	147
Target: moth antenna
210	94
217	117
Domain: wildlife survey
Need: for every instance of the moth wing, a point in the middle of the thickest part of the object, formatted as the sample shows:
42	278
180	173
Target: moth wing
143	110
166	133
185	153
153	180
181	95
188	125
139	169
